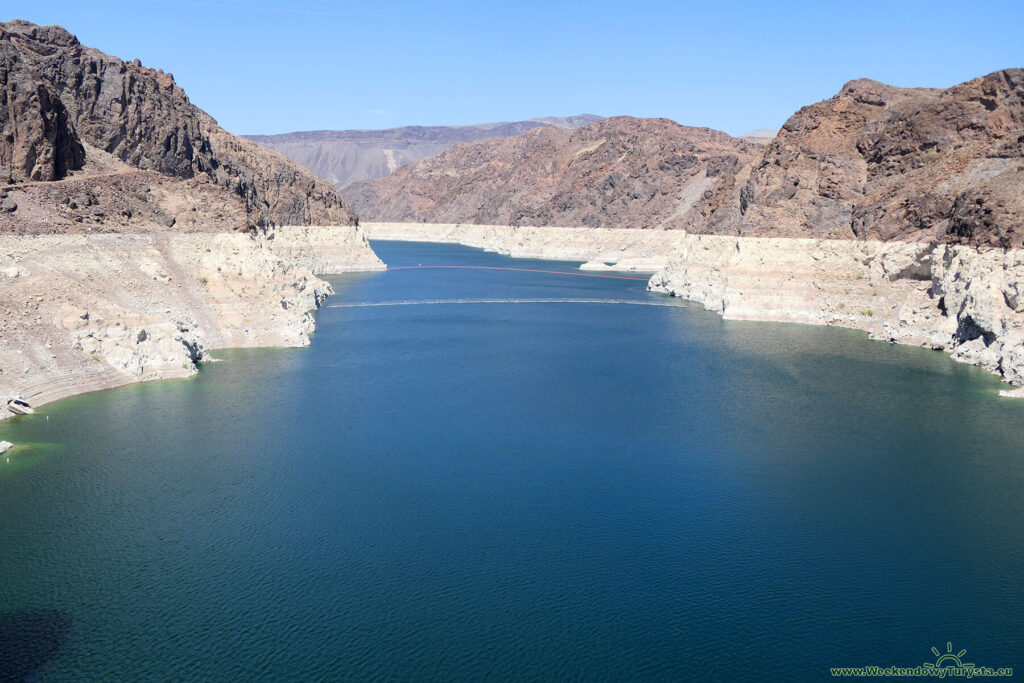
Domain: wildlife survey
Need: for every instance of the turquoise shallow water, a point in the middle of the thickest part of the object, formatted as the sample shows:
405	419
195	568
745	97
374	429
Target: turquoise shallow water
518	491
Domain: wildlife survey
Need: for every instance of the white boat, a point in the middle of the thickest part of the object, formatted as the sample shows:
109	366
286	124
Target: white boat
19	406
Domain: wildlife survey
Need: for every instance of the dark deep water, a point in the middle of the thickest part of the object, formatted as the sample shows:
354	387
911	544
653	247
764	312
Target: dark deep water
519	491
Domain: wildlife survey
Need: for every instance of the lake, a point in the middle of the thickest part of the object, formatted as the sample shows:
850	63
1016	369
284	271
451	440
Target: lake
515	491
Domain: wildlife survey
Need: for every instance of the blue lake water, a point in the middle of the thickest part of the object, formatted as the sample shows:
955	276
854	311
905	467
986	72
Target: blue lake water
517	491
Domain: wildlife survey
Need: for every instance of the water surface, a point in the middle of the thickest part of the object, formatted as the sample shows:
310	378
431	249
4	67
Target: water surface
518	491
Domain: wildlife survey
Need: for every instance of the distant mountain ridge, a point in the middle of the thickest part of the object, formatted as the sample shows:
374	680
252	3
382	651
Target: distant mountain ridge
343	157
618	172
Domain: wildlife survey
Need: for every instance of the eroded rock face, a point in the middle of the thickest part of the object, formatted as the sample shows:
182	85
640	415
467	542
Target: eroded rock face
58	94
888	163
620	172
37	141
129	200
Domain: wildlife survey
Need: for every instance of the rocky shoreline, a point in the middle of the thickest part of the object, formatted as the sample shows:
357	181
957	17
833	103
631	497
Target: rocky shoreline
87	312
965	300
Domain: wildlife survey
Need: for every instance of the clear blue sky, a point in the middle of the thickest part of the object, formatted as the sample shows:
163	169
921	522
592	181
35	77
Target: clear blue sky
273	67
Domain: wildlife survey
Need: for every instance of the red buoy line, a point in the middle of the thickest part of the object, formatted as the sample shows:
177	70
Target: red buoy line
523	270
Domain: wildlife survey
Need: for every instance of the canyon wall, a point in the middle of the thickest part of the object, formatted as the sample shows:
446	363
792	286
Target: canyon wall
880	162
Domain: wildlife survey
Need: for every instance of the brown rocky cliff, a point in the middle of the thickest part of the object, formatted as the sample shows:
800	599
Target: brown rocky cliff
620	172
881	162
58	93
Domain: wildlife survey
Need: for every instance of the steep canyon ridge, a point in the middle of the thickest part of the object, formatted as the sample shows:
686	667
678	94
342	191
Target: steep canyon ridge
135	233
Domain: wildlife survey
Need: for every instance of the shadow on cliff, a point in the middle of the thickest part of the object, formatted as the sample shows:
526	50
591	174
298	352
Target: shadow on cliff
29	640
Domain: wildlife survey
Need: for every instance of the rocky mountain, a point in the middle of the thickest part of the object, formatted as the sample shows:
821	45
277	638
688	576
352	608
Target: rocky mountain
59	98
344	157
873	162
619	172
881	162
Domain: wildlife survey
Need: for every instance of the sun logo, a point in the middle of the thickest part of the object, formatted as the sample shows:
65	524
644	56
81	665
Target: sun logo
948	659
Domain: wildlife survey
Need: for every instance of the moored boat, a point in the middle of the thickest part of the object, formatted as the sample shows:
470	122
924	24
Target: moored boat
19	406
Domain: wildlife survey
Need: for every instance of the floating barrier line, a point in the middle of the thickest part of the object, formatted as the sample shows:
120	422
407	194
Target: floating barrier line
522	270
438	302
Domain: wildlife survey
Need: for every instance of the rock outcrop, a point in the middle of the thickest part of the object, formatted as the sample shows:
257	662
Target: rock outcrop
58	94
344	157
880	162
619	172
106	195
37	141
